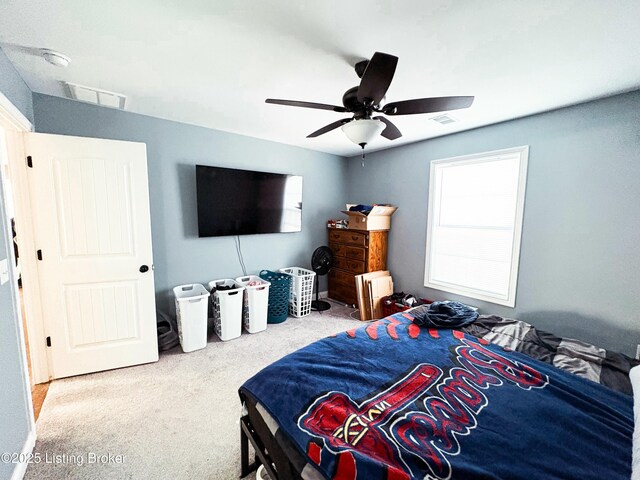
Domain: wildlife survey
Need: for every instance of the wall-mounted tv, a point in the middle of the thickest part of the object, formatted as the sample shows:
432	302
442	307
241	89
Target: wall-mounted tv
245	202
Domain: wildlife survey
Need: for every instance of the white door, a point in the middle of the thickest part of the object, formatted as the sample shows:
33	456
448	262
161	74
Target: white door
90	200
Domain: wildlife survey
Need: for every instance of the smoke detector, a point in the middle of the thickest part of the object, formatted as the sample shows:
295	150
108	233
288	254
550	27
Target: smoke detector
56	58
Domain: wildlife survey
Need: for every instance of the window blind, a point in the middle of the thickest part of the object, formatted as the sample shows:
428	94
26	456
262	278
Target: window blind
475	217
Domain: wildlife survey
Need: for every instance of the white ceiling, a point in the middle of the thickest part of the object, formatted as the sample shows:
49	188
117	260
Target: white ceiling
213	63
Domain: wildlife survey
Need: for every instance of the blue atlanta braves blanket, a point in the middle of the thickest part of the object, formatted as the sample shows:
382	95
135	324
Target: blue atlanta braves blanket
392	400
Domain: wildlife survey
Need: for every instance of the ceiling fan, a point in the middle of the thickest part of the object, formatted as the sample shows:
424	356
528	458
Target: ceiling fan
363	101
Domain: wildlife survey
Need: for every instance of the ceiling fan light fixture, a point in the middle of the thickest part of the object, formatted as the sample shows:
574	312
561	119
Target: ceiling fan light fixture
362	131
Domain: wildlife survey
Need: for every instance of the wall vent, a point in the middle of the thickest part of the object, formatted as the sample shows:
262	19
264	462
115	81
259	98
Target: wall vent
96	96
443	119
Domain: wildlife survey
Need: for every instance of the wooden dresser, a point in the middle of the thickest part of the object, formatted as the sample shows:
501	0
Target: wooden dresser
354	252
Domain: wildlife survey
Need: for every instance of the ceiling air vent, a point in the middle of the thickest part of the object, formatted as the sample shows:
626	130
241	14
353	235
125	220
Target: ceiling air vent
443	119
96	95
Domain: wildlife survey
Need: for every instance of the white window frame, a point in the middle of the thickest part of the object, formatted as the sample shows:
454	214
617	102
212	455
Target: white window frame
510	299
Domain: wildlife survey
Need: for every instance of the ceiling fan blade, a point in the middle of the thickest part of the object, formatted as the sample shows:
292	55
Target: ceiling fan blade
295	103
427	105
377	78
328	128
391	132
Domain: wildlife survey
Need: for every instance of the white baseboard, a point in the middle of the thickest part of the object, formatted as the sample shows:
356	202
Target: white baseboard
21	468
324	294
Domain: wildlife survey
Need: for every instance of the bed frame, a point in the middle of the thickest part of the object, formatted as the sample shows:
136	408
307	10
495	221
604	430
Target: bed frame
267	450
261	456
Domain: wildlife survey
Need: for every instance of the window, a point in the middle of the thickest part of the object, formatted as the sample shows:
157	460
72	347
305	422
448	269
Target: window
476	204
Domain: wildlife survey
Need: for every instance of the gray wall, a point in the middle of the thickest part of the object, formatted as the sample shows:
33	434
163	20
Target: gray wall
580	256
173	149
14	88
14	413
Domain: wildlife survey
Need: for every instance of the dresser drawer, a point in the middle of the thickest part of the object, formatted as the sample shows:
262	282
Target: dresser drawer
342	277
348	237
343	293
354	253
348	264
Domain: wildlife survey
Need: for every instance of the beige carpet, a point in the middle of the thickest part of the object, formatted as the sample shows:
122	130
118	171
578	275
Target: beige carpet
174	419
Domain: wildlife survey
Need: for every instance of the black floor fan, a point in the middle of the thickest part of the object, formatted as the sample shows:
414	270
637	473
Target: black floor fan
321	263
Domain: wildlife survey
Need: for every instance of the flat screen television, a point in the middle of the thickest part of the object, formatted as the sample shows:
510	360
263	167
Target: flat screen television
245	202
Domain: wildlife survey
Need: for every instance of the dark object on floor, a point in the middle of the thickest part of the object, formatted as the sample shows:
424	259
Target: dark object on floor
321	263
444	315
167	332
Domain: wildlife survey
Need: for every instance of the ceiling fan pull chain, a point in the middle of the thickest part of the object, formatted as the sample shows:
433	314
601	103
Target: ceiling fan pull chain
362	155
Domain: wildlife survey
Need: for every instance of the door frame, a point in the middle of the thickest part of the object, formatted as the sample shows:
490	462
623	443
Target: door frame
16	125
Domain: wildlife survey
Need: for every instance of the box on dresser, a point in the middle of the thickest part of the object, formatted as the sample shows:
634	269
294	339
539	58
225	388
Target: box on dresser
379	218
354	252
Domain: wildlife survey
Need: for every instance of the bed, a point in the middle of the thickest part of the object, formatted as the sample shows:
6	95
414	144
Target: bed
391	400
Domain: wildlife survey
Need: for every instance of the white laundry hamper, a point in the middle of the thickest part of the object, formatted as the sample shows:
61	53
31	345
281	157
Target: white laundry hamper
256	303
191	311
227	308
301	293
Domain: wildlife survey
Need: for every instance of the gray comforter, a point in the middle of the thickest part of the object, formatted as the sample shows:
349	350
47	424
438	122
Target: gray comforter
588	361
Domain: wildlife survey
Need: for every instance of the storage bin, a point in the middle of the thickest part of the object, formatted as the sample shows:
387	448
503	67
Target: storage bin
390	307
227	308
301	291
191	311
391	304
255	303
278	295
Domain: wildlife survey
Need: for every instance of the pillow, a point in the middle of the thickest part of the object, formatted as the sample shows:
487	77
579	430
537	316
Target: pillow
445	314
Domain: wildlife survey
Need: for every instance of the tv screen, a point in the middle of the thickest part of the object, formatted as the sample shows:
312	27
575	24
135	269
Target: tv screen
244	202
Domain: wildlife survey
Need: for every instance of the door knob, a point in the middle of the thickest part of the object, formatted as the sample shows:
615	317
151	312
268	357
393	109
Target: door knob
144	268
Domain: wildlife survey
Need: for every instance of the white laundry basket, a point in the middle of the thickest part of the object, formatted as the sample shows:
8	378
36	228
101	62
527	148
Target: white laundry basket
301	292
191	310
227	308
256	303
